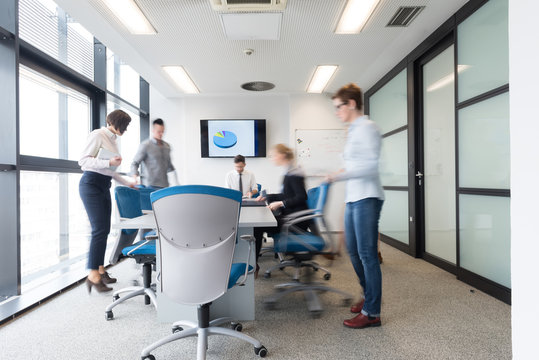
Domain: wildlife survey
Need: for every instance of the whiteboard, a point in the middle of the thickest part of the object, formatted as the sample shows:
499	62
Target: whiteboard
319	151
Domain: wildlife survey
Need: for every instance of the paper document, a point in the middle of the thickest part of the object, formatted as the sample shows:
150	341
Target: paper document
107	155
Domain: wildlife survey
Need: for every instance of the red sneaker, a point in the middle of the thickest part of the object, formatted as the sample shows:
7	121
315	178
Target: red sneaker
362	321
356	308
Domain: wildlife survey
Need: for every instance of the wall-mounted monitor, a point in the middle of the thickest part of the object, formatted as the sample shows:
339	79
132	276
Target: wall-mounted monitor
225	138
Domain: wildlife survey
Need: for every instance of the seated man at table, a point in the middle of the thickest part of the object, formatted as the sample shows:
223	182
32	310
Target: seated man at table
241	179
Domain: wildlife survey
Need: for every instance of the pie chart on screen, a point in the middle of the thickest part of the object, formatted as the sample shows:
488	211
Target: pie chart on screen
224	139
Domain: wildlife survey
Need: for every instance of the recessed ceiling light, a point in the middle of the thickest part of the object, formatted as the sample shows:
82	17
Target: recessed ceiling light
321	77
129	14
181	79
355	15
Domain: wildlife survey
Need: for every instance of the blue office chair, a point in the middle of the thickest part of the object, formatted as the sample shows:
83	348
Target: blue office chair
145	191
301	246
197	227
316	201
129	206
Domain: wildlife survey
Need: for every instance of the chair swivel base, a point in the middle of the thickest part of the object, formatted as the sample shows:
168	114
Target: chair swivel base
310	291
184	329
132	292
147	290
297	264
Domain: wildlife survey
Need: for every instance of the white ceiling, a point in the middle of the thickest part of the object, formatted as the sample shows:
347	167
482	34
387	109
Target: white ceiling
190	34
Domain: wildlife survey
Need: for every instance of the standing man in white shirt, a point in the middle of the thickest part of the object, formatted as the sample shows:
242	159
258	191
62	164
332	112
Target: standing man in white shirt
241	179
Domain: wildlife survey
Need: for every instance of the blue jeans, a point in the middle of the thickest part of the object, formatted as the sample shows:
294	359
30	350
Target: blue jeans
361	233
94	190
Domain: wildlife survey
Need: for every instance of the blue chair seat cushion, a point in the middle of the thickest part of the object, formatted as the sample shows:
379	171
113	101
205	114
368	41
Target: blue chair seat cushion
236	271
146	249
297	243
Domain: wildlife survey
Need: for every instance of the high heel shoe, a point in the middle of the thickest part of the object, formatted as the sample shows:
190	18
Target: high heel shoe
106	279
99	287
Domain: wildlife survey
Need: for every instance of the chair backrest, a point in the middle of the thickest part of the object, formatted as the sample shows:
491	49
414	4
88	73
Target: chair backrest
317	197
145	191
128	202
197	228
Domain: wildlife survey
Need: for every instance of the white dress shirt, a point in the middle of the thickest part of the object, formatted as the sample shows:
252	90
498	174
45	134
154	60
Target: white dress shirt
248	181
361	157
100	138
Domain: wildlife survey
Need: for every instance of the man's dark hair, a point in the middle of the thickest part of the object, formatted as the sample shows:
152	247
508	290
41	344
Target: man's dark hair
158	122
119	119
239	158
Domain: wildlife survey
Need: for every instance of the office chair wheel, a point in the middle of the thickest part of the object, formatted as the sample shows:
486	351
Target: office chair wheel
115	297
346	302
176	329
149	357
327	276
109	315
267	275
261	351
316	314
236	326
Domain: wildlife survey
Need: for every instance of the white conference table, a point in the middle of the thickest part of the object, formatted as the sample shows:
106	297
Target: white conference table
239	301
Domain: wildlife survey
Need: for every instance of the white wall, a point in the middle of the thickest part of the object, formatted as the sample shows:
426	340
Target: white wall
311	111
524	127
171	111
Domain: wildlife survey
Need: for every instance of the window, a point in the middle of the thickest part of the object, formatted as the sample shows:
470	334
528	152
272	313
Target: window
53	112
122	80
54	226
47	27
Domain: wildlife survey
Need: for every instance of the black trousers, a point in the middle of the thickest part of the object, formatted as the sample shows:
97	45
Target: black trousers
94	190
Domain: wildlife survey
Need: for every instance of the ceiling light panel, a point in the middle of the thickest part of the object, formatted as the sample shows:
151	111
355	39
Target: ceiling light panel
321	78
130	15
181	79
355	15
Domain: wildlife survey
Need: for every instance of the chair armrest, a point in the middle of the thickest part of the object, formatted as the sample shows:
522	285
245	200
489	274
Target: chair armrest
298	214
250	239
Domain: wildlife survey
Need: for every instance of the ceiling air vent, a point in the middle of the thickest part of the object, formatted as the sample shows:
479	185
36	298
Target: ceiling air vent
404	16
248	5
258	86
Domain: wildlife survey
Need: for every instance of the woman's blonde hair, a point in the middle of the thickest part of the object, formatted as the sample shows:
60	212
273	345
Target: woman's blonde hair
285	150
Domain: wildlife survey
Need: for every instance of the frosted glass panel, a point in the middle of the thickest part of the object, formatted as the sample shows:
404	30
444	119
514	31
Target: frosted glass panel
483	51
485	237
439	156
484	156
394	160
388	106
394	217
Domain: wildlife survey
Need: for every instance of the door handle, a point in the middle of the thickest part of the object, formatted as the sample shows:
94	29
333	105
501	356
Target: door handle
419	174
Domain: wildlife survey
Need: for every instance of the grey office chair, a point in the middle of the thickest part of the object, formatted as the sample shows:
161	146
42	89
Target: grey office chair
301	246
197	227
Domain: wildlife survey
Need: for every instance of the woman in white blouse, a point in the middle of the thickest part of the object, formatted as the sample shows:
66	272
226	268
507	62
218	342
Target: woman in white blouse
98	161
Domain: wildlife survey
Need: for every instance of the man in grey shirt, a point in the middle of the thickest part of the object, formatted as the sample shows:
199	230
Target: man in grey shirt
154	154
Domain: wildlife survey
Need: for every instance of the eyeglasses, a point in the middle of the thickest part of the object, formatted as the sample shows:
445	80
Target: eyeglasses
338	107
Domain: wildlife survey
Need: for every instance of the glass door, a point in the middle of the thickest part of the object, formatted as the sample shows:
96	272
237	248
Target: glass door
436	181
